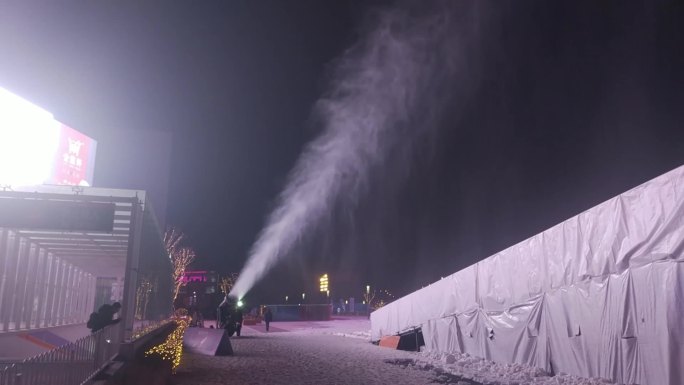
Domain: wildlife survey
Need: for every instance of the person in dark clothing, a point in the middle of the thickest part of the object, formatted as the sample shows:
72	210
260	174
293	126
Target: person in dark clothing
223	316
93	322
227	320
103	317
108	313
268	317
236	320
230	328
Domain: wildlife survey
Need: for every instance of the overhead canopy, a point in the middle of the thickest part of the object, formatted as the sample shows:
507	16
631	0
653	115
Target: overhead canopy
100	253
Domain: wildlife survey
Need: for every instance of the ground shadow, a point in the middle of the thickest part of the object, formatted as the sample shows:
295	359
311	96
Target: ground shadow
441	376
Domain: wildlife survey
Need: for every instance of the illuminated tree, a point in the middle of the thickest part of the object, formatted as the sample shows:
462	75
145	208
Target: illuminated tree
376	300
180	257
142	297
227	283
384	297
172	240
369	297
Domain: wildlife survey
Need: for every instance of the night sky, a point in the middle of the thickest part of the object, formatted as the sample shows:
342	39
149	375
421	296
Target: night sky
574	103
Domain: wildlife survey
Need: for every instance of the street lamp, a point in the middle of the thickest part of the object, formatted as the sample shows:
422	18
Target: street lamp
286	297
367	302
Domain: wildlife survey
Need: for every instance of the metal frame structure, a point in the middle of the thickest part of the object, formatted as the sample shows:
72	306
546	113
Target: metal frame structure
48	278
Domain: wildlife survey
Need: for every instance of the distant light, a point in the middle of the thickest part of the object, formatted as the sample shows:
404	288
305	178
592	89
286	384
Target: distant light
303	295
36	149
367	288
29	138
239	303
323	283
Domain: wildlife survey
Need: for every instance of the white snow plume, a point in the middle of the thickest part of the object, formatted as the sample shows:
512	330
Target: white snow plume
385	94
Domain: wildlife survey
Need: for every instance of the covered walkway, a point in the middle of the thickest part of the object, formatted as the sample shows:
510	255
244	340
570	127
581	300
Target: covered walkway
65	251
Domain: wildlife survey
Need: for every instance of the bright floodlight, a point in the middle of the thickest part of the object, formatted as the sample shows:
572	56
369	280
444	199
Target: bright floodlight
29	137
239	303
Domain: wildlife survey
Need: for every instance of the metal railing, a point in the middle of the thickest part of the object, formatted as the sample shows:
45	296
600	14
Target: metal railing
142	328
70	364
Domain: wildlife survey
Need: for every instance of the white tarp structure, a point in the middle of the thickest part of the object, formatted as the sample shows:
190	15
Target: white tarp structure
599	295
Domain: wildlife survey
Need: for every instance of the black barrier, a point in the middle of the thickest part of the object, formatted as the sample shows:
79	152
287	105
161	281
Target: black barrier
411	340
209	342
282	313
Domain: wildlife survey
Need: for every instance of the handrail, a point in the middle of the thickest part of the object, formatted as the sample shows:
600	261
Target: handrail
74	363
70	364
147	327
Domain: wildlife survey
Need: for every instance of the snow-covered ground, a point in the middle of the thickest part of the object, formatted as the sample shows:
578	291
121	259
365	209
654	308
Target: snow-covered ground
339	352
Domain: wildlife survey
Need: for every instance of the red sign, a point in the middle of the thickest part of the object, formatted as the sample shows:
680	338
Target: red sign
75	159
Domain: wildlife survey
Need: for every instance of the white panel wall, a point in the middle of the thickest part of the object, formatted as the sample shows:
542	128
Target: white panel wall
599	295
39	290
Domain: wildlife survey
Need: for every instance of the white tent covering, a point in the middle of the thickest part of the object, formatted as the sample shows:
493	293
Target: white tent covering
599	295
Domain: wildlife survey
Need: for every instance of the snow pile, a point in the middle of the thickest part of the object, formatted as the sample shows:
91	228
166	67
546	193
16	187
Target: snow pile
339	352
362	335
493	373
447	368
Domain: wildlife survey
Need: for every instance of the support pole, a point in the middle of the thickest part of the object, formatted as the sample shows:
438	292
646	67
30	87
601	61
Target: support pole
132	262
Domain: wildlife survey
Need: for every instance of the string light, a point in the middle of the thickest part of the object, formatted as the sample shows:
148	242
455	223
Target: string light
141	332
180	257
142	297
172	348
377	299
